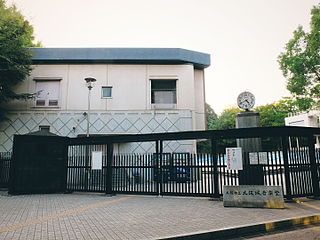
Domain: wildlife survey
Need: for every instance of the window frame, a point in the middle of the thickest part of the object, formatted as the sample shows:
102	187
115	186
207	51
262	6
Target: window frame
48	101
152	90
108	87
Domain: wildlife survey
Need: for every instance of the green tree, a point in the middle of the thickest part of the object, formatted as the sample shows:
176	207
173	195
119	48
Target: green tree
274	114
211	117
300	64
227	119
16	35
270	115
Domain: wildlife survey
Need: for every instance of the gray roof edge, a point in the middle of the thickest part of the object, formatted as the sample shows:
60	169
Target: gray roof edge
121	54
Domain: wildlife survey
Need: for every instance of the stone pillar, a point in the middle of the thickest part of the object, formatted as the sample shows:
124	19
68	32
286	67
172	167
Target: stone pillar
251	174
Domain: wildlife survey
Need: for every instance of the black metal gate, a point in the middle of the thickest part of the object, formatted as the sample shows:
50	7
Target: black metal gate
58	164
181	174
82	174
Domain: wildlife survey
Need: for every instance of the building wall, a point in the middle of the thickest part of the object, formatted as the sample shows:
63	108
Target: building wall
199	93
131	85
128	111
310	119
73	123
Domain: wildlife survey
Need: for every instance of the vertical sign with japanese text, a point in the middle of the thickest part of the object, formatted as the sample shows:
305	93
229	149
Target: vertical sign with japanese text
234	158
96	160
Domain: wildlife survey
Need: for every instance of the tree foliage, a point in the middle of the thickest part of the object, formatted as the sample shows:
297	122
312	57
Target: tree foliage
227	118
300	64
270	115
16	35
211	117
275	113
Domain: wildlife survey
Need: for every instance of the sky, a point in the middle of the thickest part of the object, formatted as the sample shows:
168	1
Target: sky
243	37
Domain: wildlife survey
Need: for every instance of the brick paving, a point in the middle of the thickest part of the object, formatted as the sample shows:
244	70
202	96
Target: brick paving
97	216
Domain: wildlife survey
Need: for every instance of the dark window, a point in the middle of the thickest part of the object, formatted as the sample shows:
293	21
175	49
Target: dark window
44	128
106	92
163	92
40	102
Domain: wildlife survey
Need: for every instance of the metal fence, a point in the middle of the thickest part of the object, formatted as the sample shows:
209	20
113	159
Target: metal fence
179	173
186	174
80	175
5	159
290	161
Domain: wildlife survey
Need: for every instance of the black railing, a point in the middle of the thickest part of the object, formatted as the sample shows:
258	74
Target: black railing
290	160
5	159
80	175
186	174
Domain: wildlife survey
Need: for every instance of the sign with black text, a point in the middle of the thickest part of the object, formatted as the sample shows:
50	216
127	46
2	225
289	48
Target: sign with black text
253	196
234	158
96	160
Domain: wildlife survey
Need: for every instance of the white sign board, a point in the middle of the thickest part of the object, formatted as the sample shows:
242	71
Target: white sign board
234	158
96	160
263	157
253	157
258	158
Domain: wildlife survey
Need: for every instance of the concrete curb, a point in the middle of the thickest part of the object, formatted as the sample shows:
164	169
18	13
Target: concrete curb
250	229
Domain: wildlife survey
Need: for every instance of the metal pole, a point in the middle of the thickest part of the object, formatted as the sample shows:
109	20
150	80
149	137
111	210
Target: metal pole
88	115
313	165
214	159
285	146
108	177
160	166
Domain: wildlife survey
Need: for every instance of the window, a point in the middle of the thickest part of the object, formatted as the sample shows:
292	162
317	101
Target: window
106	92
163	92
47	93
44	128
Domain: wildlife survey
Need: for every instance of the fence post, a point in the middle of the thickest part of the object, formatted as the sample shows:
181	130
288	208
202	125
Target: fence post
66	162
156	168
13	169
109	168
313	165
215	167
160	166
285	146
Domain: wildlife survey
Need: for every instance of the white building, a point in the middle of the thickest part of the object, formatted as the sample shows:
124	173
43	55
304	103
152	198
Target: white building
308	119
138	90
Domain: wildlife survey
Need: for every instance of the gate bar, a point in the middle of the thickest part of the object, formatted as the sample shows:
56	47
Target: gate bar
109	168
160	167
215	167
285	145
314	171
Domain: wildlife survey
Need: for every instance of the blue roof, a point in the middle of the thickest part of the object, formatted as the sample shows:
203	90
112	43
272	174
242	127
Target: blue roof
120	56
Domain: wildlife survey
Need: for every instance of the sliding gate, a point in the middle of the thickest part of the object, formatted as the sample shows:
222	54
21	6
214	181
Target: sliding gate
157	174
163	174
81	174
282	159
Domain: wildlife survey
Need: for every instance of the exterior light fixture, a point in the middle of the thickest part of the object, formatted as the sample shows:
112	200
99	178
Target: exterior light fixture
89	83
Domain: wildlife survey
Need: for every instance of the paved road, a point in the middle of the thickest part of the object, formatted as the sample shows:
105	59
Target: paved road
96	216
308	233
